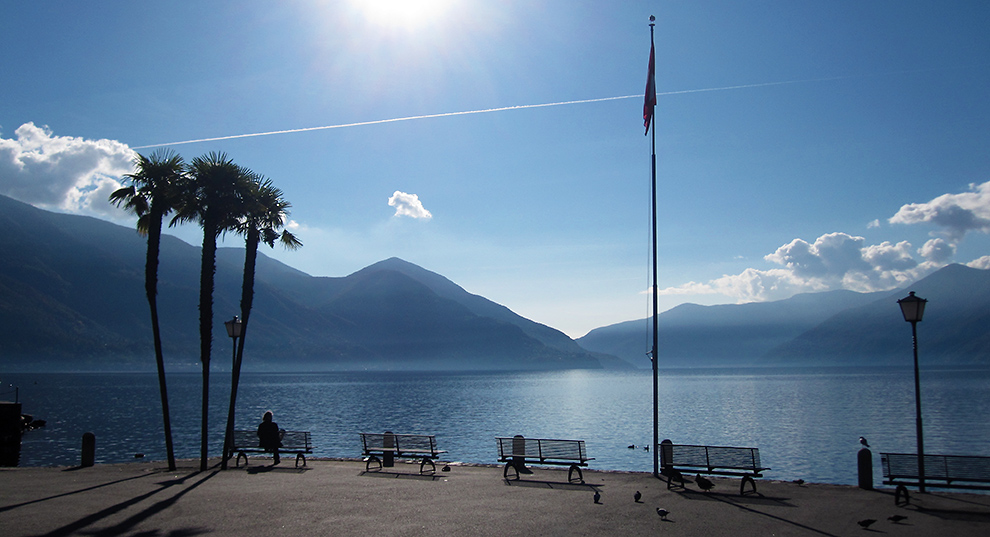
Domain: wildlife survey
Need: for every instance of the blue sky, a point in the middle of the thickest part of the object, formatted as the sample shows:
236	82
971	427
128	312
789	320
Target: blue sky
802	146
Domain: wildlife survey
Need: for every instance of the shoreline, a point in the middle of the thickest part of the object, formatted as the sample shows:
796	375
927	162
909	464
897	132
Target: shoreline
337	496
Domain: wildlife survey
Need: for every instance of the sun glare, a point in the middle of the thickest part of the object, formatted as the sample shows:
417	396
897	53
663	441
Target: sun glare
408	13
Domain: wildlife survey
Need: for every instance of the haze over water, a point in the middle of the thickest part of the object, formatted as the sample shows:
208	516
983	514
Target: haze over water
806	422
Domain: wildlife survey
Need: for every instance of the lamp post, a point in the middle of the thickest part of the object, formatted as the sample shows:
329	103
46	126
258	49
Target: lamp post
913	309
234	331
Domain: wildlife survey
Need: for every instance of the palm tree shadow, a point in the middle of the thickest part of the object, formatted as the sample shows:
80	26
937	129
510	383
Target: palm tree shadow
132	521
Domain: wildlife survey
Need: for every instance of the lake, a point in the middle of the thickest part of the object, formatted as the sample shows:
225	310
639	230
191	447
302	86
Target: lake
806	422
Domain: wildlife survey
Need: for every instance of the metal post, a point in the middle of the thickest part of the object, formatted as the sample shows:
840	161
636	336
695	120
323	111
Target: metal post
917	408
228	442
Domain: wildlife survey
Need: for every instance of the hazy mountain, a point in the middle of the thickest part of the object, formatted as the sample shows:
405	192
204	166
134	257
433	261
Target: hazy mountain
72	296
838	327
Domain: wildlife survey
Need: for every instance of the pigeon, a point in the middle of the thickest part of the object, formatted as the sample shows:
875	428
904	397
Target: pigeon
897	519
704	483
866	522
446	468
863	441
663	513
799	482
638	496
598	496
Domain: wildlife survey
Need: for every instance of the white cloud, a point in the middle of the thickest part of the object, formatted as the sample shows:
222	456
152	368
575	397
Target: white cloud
833	261
937	251
408	205
62	172
981	263
956	214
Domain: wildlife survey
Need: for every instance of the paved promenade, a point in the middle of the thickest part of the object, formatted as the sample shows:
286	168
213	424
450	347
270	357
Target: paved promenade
332	497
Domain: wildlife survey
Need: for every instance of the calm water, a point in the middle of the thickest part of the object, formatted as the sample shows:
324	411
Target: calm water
805	422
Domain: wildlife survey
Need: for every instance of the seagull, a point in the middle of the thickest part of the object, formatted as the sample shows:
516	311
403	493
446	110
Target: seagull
638	496
662	512
863	441
865	523
704	483
598	496
896	519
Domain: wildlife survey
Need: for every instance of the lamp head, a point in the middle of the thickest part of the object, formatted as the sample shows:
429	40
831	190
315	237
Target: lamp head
912	307
233	327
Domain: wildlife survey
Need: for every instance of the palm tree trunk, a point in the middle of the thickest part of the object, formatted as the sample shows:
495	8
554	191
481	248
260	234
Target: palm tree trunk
206	279
151	289
247	299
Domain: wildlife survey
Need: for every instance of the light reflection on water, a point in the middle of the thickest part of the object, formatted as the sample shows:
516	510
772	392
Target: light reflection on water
806	422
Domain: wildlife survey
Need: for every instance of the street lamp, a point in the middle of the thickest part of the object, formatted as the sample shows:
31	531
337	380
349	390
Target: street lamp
234	327
913	309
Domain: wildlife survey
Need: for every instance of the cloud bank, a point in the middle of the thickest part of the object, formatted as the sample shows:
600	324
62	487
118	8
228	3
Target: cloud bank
408	205
843	261
63	173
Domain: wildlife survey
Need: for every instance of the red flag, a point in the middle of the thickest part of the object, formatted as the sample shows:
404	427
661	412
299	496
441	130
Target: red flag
650	103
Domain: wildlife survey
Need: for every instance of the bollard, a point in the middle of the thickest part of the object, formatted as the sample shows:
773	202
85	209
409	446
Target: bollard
88	449
864	462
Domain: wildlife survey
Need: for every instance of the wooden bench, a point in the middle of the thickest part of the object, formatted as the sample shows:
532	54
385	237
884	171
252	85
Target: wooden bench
392	446
941	471
297	442
715	460
515	452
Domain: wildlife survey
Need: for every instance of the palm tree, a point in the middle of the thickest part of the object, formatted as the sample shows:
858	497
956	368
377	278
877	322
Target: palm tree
213	197
151	196
264	218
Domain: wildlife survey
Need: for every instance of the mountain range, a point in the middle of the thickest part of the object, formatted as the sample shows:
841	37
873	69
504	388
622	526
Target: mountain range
818	329
72	297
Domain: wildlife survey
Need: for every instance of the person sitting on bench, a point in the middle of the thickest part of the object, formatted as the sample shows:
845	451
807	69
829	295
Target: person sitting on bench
269	435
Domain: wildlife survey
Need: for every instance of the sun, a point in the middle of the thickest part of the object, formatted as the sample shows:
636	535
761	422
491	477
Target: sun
407	13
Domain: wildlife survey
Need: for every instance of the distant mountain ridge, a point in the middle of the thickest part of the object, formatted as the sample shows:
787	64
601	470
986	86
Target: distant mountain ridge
819	329
72	296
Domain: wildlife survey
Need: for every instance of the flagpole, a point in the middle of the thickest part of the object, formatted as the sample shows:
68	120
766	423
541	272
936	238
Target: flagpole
653	353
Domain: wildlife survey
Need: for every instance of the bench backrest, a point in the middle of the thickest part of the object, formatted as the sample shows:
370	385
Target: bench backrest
542	448
737	458
947	467
408	443
300	440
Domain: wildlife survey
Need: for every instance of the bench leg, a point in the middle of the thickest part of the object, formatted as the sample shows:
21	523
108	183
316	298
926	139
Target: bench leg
422	465
505	472
373	458
901	491
302	457
570	473
237	461
742	486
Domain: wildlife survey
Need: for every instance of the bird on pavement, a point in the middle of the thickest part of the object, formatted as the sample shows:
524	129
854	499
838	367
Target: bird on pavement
598	496
799	482
662	512
897	519
863	441
704	483
638	496
865	523
446	468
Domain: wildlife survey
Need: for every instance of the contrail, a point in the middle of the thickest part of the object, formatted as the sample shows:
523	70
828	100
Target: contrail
505	108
